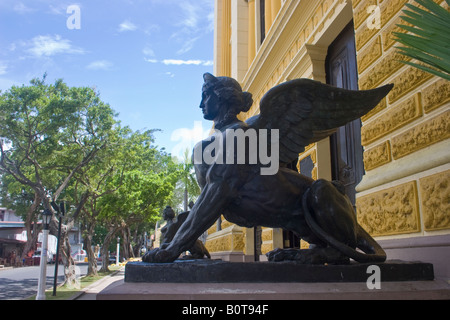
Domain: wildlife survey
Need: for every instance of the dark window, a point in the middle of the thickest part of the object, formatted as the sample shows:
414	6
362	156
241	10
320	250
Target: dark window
290	240
307	166
262	16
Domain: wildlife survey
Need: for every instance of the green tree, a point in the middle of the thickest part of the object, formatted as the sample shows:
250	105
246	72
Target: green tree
142	190
121	189
47	134
189	180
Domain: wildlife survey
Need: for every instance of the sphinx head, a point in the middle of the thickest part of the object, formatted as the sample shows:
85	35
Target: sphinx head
222	97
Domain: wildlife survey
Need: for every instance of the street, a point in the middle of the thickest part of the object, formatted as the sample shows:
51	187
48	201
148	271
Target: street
20	283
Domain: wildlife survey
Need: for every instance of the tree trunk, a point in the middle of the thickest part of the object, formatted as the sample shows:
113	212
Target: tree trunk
104	250
66	254
31	227
66	250
32	237
92	259
127	247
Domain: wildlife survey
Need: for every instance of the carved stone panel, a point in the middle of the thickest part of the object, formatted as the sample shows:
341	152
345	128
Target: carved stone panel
391	211
435	195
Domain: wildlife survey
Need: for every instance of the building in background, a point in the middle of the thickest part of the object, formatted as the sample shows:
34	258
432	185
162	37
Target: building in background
13	237
394	162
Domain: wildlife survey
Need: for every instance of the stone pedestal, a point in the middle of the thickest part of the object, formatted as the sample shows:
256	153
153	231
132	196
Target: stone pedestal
219	280
214	271
239	292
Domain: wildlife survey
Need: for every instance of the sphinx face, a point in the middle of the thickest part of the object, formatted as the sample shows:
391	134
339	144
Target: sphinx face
209	105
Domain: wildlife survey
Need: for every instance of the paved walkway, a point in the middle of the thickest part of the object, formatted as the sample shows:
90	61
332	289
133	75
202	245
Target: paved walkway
90	292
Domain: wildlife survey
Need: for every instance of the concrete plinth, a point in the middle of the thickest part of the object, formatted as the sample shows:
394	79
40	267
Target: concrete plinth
405	290
219	280
211	271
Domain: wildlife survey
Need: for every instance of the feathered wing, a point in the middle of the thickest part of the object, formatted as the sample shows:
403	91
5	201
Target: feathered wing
306	111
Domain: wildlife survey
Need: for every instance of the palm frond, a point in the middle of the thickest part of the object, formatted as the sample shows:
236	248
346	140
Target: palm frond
428	40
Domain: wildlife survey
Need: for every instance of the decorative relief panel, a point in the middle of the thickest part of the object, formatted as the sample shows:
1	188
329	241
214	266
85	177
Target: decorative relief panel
363	35
429	132
435	195
381	106
391	211
377	156
385	67
407	81
367	56
219	244
230	239
393	119
389	9
387	36
267	234
360	14
436	95
266	247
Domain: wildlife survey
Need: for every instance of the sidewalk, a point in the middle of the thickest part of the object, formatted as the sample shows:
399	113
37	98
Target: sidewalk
90	292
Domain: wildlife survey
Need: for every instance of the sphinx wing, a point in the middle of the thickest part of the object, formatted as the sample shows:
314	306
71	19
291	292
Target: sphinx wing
306	111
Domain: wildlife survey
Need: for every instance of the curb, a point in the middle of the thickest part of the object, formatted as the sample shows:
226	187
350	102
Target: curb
93	285
6	268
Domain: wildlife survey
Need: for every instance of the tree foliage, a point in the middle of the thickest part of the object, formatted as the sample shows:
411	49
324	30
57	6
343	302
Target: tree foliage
428	40
47	134
64	142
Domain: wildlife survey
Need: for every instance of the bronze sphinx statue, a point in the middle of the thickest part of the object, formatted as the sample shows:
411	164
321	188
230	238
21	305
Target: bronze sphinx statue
298	113
198	250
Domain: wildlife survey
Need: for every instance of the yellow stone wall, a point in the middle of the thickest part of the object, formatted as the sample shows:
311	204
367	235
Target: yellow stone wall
405	190
405	138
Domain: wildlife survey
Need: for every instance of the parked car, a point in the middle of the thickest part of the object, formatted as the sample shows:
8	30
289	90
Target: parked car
59	258
111	259
79	255
37	257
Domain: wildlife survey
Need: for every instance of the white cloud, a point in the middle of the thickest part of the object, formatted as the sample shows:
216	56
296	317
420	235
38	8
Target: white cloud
151	60
148	52
191	14
3	68
127	26
100	65
49	46
22	9
188	138
196	20
187	45
58	9
179	62
187	62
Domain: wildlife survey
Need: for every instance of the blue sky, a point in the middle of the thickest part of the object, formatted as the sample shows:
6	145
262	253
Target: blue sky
145	57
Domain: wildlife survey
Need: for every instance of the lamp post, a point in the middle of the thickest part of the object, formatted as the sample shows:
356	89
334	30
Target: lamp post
117	252
46	217
60	210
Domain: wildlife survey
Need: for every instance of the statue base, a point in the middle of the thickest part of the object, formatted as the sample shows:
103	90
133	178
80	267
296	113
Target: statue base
218	280
216	271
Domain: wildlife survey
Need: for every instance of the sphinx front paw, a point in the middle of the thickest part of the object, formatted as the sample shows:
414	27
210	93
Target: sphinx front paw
158	255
